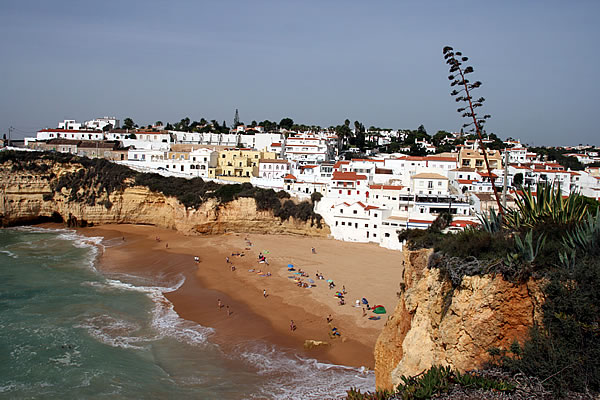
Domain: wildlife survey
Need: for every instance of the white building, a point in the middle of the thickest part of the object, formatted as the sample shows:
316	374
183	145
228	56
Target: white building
101	123
273	169
72	134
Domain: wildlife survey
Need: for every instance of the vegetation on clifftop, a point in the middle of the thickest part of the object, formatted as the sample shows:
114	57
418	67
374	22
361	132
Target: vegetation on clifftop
96	179
547	236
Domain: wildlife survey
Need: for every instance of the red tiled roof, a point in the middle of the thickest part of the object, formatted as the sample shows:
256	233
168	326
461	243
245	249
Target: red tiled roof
386	187
420	221
340	163
289	176
366	159
462	223
486	174
347	176
275	144
465	181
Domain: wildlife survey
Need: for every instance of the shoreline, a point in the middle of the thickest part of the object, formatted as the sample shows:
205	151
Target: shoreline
253	316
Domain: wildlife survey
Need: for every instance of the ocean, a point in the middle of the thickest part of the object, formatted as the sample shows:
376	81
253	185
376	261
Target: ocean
69	331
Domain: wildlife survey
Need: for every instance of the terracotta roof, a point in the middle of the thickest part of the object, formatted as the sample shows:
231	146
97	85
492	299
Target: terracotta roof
308	166
289	176
465	181
340	163
429	175
486	174
386	187
275	144
463	223
367	159
347	176
420	221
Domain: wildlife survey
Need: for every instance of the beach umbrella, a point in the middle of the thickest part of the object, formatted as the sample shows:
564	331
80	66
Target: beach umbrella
329	280
290	265
379	310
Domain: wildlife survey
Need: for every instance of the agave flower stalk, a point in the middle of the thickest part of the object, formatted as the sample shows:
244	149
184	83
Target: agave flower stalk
458	78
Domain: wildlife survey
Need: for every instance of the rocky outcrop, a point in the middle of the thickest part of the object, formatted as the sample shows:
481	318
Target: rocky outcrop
436	324
27	197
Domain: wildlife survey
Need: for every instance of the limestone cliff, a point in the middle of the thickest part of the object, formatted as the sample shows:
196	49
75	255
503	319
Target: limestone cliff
27	196
434	324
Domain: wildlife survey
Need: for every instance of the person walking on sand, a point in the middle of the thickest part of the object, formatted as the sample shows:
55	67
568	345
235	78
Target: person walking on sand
329	319
265	293
292	325
229	311
219	304
312	249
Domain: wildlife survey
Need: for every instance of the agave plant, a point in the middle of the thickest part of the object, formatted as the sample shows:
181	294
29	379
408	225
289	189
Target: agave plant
547	205
491	222
583	237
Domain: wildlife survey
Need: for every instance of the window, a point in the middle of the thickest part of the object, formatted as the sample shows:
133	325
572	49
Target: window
341	211
343	223
429	184
336	223
366	225
439	183
356	225
374	226
374	235
387	235
355	212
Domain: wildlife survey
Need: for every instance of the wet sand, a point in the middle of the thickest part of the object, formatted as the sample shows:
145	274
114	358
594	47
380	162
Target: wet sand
365	270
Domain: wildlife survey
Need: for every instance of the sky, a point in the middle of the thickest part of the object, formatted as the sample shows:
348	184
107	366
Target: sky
317	62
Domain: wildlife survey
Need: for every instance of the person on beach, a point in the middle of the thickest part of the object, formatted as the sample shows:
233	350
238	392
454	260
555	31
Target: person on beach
265	293
232	268
292	325
329	319
219	304
227	259
313	250
167	245
229	312
344	289
364	312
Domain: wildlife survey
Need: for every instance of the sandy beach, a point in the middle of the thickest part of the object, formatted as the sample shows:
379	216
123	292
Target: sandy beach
364	270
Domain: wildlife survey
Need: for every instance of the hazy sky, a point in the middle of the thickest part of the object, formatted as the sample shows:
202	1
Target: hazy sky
318	62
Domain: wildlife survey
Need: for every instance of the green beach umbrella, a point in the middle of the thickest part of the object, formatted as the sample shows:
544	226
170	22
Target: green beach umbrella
379	310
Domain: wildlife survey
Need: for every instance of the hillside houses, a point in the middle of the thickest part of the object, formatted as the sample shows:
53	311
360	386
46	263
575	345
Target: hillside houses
365	198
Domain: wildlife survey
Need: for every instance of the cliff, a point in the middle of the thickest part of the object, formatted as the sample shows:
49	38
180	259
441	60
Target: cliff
27	196
436	324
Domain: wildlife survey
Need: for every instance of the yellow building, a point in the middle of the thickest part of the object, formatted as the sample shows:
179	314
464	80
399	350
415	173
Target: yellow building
239	164
474	159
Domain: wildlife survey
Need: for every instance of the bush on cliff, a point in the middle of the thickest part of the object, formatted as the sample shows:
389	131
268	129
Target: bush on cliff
550	237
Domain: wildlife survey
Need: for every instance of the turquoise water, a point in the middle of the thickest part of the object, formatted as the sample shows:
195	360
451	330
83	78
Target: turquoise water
69	332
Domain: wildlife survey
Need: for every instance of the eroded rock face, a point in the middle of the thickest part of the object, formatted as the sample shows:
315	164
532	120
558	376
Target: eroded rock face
27	197
436	325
